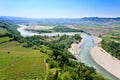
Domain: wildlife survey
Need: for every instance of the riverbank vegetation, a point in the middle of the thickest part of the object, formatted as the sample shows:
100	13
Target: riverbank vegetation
57	28
111	43
9	30
19	61
60	62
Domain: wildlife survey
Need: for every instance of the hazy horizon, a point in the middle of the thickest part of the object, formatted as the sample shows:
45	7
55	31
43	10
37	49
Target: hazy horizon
60	8
59	18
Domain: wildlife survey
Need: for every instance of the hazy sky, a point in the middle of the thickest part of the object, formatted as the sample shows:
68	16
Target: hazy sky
60	8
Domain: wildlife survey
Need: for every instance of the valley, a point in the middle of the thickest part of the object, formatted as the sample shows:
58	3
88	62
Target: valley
22	48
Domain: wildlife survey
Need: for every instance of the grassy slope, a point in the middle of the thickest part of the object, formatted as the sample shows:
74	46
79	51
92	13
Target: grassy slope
3	31
20	63
114	35
4	39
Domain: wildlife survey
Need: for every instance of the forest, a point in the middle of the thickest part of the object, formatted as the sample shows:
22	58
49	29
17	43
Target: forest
57	28
62	65
61	62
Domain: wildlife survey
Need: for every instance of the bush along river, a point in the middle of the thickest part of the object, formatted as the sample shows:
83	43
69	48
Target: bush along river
86	58
84	55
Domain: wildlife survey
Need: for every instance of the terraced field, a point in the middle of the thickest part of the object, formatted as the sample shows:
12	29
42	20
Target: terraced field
18	63
4	39
3	31
3	36
113	35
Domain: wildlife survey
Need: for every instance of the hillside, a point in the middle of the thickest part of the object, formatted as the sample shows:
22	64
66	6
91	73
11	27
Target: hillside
61	63
40	57
20	63
9	30
17	62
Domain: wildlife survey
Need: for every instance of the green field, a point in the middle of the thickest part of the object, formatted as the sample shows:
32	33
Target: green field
111	43
18	63
3	31
114	35
4	39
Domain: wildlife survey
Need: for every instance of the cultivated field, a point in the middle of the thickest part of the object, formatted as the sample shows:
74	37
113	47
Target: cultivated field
3	31
4	39
113	35
18	63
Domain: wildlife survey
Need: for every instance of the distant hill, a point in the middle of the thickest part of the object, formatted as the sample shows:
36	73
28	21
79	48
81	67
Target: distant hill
86	21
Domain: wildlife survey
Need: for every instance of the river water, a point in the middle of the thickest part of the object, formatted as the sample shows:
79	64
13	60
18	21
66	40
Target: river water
87	59
84	55
25	33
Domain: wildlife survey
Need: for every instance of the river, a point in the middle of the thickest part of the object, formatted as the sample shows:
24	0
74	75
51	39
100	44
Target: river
86	58
25	33
84	55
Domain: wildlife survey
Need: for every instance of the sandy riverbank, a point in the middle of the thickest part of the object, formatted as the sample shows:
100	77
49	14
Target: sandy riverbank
104	59
75	48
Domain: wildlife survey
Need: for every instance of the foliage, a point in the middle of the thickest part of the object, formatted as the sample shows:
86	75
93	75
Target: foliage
111	43
11	31
56	29
61	65
3	31
18	63
112	47
4	39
